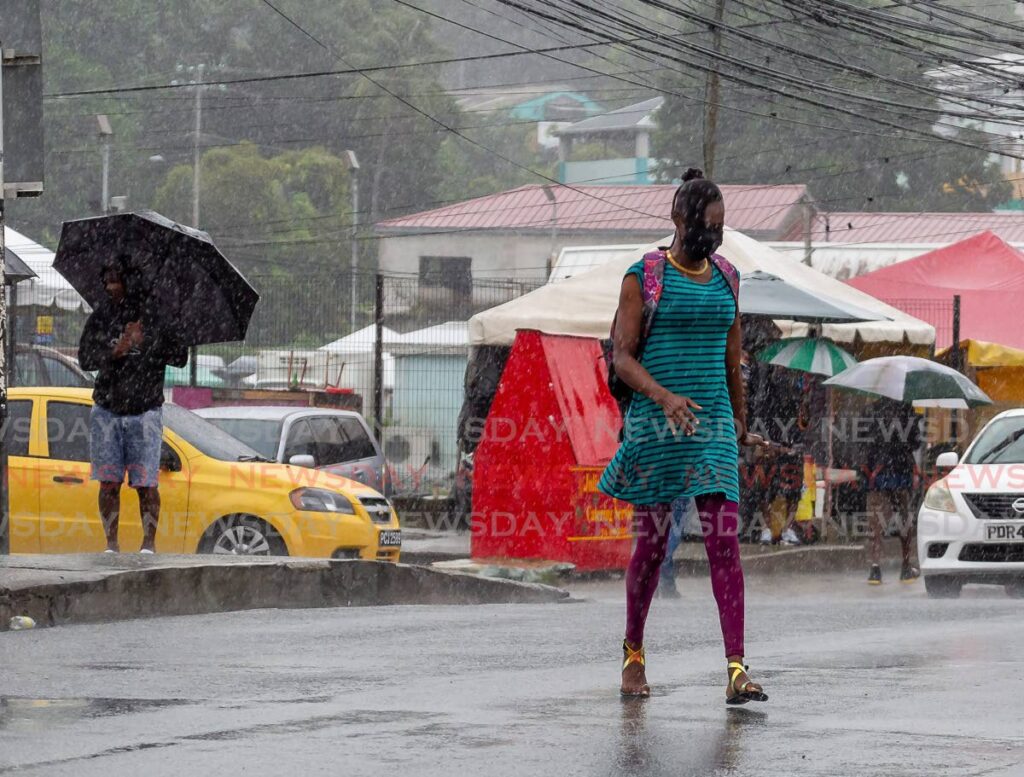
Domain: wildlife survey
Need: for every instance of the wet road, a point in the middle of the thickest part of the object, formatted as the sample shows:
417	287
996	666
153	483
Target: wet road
863	682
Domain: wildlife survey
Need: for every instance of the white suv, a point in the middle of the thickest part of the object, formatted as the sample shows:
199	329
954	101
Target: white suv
971	525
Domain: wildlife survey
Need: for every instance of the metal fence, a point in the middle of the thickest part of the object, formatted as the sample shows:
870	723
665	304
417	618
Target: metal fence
302	337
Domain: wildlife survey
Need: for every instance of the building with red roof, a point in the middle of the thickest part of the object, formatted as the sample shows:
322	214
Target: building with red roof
514	234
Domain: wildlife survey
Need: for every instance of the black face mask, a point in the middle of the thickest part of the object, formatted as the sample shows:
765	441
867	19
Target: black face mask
699	242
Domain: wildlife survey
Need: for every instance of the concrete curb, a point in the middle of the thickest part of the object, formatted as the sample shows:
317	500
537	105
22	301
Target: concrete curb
806	560
191	588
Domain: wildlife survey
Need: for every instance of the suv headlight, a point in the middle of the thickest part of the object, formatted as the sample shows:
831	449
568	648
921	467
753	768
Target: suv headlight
940	498
320	500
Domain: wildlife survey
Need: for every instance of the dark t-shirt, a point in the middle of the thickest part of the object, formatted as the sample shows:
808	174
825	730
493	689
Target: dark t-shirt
134	383
895	439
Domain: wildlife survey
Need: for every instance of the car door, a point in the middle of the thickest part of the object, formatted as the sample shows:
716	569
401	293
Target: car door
23	477
300	441
345	449
69	519
69	500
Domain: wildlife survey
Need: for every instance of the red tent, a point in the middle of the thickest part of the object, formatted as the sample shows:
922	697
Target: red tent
984	270
550	433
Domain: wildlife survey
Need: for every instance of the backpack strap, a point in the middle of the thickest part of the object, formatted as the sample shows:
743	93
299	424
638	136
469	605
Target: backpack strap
732	275
652	287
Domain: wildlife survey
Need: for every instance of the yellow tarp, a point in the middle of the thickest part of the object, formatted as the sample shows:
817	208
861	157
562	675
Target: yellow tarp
981	354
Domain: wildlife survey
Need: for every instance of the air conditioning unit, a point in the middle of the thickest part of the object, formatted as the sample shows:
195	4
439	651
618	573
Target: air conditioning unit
412	453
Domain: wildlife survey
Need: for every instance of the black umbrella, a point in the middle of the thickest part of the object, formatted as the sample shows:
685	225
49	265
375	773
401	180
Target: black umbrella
180	273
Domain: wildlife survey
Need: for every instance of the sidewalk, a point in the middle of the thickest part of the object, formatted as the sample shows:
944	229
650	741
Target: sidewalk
86	588
422	546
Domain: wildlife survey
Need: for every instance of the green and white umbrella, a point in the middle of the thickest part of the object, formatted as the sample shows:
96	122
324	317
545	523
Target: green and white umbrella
920	382
808	354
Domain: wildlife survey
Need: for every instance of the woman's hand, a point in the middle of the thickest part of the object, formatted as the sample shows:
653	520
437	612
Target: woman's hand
678	411
754	440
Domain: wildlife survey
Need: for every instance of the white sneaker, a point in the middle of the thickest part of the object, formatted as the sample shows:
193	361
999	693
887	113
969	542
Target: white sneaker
766	536
146	552
108	550
789	538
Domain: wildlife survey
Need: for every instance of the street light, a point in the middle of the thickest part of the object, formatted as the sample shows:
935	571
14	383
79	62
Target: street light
353	165
105	134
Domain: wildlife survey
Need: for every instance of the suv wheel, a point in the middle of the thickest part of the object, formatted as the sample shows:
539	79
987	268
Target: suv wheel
943	587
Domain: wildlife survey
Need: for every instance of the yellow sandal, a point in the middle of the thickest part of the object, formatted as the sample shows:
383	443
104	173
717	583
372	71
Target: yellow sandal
750	691
634	656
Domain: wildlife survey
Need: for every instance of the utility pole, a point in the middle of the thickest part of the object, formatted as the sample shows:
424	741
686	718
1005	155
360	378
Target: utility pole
193	353
712	95
5	513
549	193
353	169
196	156
21	168
105	134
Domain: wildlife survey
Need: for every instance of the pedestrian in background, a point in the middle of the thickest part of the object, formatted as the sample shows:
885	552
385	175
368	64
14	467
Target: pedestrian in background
687	415
891	472
124	343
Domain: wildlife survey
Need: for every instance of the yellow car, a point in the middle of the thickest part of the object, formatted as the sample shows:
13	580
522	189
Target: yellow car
217	494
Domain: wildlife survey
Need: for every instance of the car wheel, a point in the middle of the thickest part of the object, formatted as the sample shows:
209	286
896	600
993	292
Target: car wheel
940	587
241	535
1015	590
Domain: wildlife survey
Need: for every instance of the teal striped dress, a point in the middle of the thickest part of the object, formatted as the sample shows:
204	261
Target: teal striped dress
685	353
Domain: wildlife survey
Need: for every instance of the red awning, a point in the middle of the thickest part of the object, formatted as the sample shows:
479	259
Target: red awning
984	270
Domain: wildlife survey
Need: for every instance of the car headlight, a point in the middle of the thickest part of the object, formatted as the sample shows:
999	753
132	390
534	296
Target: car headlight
940	498
320	500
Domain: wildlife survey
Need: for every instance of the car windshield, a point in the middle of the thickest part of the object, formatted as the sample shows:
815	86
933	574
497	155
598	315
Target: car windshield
1000	443
262	434
207	438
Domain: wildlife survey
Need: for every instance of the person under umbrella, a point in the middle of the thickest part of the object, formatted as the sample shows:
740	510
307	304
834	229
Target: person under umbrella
891	471
124	341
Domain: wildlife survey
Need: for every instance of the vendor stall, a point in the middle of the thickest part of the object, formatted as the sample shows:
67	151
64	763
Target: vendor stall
552	428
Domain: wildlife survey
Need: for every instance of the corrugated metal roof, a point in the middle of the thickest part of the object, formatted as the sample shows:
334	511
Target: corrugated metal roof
624	119
910	227
644	210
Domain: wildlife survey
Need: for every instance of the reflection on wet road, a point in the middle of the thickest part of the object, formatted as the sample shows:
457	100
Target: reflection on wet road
863	681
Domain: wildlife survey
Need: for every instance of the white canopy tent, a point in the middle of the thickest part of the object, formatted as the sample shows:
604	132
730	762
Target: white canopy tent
49	288
584	304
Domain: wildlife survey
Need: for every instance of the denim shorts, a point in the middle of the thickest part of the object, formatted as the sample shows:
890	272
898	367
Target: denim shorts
120	444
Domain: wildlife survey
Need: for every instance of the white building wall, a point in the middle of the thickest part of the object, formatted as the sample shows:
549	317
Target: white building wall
495	256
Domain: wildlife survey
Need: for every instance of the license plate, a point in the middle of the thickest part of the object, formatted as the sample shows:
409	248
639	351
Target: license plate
1005	531
390	539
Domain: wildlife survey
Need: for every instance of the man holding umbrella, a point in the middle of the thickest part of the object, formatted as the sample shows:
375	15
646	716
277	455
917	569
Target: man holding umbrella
162	272
123	342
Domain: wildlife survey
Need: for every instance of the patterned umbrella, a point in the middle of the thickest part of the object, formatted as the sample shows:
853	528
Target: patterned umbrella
920	382
808	354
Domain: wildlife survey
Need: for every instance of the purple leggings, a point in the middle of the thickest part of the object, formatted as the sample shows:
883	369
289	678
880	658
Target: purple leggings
652	523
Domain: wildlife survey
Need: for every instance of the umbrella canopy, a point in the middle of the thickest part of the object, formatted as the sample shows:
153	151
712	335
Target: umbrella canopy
822	357
181	274
764	294
910	379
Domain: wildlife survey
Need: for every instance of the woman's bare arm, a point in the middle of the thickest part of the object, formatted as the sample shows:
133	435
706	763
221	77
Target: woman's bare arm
628	329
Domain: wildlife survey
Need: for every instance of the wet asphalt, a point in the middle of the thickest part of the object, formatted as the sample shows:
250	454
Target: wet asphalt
863	681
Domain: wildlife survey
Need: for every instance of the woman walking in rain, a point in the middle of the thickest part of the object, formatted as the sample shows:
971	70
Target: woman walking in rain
684	422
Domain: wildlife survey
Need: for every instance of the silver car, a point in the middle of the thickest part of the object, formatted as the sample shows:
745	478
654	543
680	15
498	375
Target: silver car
339	441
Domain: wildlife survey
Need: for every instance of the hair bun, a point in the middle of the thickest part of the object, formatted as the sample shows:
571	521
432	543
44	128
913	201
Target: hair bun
692	174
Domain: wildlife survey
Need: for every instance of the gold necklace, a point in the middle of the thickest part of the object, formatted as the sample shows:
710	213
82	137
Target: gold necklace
672	259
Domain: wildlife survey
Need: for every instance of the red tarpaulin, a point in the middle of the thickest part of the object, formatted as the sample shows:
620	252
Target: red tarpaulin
552	429
984	270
